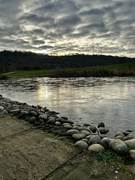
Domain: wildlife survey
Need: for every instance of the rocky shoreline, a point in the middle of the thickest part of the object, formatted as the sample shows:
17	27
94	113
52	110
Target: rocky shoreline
87	136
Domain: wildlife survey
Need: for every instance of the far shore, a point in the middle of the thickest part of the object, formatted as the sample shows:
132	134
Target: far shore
119	70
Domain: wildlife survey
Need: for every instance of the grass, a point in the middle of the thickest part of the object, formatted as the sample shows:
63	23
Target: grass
125	69
29	73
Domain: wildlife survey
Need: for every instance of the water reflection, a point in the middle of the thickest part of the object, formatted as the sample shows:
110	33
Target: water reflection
85	100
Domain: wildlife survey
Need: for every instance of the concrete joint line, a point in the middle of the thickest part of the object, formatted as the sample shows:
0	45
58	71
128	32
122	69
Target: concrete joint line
62	165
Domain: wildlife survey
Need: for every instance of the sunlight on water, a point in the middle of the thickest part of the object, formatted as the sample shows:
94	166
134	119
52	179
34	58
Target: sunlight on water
83	100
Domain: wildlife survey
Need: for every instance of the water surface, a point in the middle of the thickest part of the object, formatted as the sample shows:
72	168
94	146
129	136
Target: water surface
84	100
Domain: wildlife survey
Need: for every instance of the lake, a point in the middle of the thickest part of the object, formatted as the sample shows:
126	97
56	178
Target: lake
83	100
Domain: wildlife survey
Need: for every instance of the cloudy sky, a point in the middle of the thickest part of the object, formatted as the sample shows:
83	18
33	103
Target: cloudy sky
68	26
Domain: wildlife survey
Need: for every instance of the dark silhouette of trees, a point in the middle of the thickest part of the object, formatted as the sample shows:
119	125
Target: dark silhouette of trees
17	60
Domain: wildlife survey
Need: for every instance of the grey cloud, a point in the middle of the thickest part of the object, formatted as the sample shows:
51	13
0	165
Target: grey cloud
37	42
101	26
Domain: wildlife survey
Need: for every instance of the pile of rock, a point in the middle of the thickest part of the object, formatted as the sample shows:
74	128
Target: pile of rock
86	136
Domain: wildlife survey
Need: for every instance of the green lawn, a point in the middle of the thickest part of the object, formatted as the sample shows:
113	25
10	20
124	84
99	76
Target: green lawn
29	73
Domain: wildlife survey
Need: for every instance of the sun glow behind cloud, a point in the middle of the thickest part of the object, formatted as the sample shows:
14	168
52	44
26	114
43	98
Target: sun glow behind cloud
68	27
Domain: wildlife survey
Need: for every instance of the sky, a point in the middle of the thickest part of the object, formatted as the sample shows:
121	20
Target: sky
62	27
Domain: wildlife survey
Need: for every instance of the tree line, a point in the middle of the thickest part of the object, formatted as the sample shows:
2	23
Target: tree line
17	60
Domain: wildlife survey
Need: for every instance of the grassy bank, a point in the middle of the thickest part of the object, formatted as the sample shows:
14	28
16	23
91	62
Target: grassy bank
126	69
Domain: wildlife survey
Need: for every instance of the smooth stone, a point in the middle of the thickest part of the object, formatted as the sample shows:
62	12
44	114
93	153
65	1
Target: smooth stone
85	132
33	113
1	108
96	148
72	131
132	154
67	126
93	128
129	136
14	111
121	137
78	127
105	142
43	116
78	136
130	143
51	121
81	144
32	120
57	123
95	139
118	133
103	130
101	124
51	118
118	146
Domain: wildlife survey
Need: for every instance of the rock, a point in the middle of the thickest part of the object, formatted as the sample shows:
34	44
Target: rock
43	116
1	108
93	128
132	154
118	146
33	113
105	142
78	127
120	137
101	124
103	130
78	136
118	133
51	121
14	111
52	118
129	136
58	123
95	139
130	143
32	120
85	132
81	144
72	131
96	148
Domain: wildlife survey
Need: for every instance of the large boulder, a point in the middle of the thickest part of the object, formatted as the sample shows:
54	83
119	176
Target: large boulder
132	154
72	131
86	132
130	143
105	142
129	136
96	148
101	124
93	128
1	108
95	139
81	144
118	146
78	136
103	130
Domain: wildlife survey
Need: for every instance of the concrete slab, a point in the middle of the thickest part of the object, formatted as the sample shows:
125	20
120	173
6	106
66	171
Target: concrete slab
8	126
85	167
31	154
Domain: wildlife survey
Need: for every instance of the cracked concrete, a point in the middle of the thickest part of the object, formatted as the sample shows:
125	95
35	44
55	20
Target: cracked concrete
31	154
27	153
